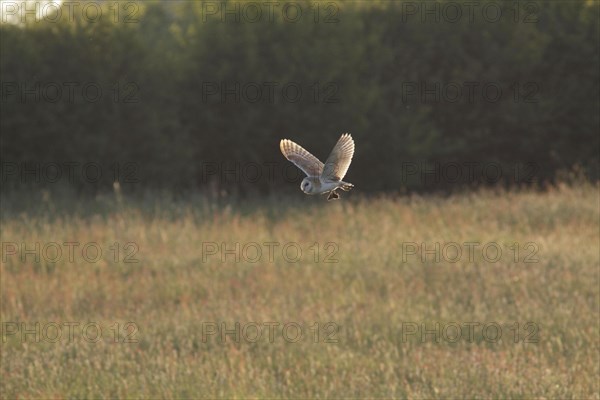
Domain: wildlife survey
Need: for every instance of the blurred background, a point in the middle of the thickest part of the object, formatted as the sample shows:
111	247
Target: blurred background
142	190
171	95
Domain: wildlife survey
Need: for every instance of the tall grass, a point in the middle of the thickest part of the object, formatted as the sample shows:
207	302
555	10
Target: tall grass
370	296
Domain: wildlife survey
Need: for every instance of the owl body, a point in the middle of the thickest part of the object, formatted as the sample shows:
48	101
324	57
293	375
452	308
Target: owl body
322	178
315	185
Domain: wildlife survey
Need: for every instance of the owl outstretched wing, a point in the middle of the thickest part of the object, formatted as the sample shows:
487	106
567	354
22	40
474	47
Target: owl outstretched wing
301	158
339	160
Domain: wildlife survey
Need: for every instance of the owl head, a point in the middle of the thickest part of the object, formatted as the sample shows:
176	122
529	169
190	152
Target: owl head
306	186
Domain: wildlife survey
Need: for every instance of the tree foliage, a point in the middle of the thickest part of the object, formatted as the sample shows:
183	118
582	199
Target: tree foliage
400	84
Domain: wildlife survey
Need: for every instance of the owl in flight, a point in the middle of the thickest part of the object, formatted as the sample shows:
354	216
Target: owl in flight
322	178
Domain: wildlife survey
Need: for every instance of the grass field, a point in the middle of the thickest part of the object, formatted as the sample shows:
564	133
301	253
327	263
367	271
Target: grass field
154	328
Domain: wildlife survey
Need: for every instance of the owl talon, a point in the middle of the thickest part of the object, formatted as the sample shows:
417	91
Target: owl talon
333	196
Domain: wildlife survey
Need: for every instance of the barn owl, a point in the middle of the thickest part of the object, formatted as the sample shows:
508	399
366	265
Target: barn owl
322	178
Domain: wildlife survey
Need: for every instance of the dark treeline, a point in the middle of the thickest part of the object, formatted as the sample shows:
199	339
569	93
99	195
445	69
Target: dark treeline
186	95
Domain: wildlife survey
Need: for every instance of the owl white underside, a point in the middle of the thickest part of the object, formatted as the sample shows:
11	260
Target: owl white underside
321	186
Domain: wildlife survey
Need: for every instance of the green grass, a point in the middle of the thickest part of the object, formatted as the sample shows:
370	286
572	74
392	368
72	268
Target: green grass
368	294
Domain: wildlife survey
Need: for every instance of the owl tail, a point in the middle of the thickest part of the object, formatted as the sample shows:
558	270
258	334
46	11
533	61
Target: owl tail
346	186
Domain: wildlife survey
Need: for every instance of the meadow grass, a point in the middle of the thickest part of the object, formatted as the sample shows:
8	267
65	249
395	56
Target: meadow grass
355	314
